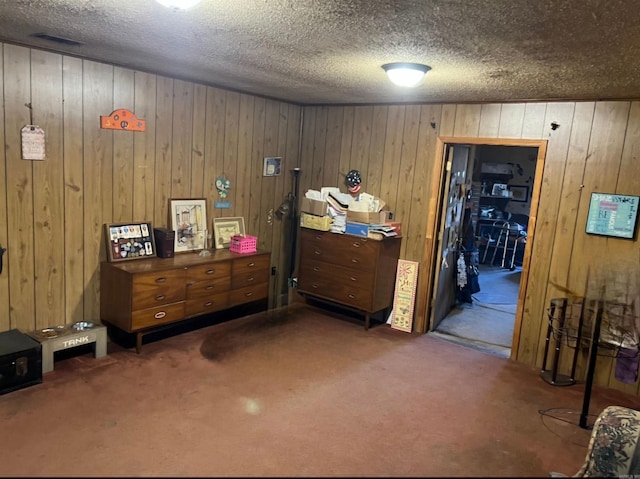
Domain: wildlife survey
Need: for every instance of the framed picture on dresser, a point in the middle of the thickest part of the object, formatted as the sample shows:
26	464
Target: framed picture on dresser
188	218
129	241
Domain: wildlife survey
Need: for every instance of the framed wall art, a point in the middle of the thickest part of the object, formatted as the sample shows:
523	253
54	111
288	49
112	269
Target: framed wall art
518	193
188	218
272	166
613	215
128	241
225	228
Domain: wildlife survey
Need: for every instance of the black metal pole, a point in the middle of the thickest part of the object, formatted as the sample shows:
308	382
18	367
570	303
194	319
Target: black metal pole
593	356
293	224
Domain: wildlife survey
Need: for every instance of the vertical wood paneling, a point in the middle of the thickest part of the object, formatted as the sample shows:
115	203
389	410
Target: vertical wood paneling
447	120
361	145
198	188
98	177
319	148
334	139
392	154
533	123
181	139
144	148
5	323
19	259
269	184
73	190
373	181
230	166
347	144
489	120
257	167
308	140
511	119
214	145
123	97
531	329
244	156
467	121
48	193
164	125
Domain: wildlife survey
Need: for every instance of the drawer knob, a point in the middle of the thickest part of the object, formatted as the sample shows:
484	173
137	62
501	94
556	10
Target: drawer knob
211	271
209	287
250	279
250	293
208	303
314	286
318	237
355	260
160	297
356	245
160	280
160	315
315	268
251	265
317	252
354	278
352	296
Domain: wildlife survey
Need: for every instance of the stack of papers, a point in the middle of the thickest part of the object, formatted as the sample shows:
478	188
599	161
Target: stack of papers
338	214
384	230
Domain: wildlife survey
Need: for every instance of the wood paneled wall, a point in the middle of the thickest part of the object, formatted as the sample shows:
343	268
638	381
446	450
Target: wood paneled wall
52	212
595	148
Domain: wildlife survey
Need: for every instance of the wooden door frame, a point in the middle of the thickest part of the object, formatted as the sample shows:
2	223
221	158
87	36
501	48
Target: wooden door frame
425	288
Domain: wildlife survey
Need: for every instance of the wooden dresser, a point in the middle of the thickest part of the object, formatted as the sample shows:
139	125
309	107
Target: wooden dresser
141	295
355	272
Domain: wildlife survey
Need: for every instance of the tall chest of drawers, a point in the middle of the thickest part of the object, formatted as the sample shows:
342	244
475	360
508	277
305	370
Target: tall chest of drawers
142	295
355	272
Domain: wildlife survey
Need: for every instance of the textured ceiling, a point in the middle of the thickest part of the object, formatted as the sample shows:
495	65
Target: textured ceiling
331	51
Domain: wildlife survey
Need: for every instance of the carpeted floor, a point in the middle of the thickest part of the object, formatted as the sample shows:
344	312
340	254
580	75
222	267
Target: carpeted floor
294	392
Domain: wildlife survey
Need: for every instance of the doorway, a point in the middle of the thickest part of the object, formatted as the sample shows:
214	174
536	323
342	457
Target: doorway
503	178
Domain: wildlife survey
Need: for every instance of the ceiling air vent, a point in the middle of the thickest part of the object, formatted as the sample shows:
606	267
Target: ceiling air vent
53	38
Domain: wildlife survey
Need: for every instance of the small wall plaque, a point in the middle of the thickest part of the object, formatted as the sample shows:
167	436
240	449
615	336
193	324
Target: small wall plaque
32	142
122	119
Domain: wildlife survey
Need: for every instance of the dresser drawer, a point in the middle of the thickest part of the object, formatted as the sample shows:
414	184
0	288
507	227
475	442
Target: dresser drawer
250	264
155	316
248	294
203	289
248	278
336	289
215	302
156	288
205	272
327	272
343	250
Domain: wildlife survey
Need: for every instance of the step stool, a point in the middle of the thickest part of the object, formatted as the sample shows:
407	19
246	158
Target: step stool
65	337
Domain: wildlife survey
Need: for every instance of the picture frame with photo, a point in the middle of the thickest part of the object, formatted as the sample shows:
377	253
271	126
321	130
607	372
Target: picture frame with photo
188	218
129	241
225	228
272	166
519	193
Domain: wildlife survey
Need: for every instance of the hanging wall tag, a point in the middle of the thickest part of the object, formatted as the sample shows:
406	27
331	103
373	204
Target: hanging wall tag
32	142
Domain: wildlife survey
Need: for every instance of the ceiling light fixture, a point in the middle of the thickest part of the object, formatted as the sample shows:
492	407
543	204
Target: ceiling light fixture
406	74
178	4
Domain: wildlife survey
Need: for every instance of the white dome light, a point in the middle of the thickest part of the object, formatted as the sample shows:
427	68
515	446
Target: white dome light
178	4
406	74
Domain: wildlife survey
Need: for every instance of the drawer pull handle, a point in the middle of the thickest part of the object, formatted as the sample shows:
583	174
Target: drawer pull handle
160	297
160	280
318	237
160	315
209	287
250	293
208	303
315	268
211	271
314	286
355	260
356	245
251	265
352	296
354	278
250	279
317	252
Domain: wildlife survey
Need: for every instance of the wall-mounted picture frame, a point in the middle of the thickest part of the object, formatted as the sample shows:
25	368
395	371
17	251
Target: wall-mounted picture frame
225	228
188	218
272	166
518	193
613	215
129	241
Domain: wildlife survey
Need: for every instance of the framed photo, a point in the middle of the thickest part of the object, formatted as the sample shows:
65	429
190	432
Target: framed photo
518	193
188	218
225	228
613	215
128	241
272	166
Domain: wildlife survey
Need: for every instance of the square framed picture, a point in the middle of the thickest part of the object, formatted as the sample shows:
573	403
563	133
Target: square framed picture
518	193
128	241
225	228
188	218
272	166
613	215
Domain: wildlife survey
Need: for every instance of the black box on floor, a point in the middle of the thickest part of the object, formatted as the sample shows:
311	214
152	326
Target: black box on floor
20	361
164	242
